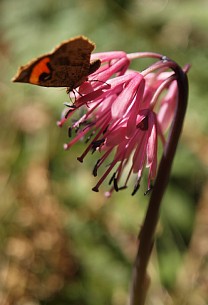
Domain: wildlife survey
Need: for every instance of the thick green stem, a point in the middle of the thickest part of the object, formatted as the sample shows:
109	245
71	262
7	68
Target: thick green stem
146	237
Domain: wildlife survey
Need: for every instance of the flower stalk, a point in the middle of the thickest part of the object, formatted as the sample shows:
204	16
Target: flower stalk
147	234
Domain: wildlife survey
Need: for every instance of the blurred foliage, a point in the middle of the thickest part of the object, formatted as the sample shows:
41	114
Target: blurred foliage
61	243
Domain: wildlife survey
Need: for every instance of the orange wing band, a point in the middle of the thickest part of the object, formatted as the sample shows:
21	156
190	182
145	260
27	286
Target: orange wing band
38	69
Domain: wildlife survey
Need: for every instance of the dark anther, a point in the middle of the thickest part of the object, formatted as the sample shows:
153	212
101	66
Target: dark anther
69	132
80	159
95	189
136	187
94	172
97	144
148	191
112	178
115	184
68	112
122	187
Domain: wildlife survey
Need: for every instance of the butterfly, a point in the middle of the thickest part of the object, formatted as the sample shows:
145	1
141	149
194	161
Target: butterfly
68	65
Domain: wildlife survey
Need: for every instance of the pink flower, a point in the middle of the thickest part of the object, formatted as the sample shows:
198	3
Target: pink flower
124	117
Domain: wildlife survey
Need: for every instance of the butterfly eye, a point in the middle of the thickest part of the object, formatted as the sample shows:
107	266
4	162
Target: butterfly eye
45	76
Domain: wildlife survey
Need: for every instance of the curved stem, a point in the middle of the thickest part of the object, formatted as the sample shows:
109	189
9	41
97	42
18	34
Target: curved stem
146	236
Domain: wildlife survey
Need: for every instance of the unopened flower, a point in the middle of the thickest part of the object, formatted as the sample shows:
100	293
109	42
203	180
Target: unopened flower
126	112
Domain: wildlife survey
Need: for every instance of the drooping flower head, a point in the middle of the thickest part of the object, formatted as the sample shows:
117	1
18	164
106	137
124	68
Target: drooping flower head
126	113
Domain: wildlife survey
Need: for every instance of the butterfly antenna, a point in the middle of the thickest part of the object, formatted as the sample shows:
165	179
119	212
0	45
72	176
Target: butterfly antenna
97	80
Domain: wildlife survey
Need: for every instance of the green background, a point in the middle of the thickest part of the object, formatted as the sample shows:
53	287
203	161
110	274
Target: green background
60	242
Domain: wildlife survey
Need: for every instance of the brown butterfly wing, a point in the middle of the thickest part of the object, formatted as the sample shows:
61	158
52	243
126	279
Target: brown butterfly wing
70	63
67	65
